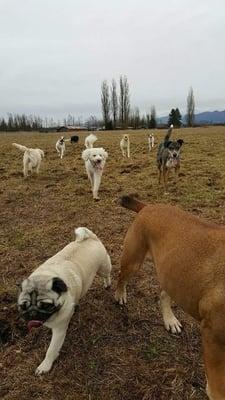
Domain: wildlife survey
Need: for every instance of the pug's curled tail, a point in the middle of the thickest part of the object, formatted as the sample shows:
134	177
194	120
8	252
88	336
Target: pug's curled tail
131	203
83	233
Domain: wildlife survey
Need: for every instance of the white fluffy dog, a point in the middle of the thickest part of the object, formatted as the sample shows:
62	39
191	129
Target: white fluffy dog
90	140
125	146
49	295
151	141
95	159
60	147
31	159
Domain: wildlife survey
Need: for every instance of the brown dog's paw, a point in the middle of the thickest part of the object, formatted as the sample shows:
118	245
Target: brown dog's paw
121	296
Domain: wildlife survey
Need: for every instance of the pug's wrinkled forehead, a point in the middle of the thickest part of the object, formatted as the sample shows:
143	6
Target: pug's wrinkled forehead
36	284
43	284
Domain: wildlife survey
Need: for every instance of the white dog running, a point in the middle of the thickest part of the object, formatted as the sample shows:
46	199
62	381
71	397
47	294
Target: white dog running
74	269
95	159
90	140
151	141
125	146
31	159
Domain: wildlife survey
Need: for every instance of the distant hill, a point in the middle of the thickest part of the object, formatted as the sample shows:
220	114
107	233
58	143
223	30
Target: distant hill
206	117
210	117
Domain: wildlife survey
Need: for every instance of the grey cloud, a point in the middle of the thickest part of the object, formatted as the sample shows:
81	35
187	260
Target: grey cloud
56	53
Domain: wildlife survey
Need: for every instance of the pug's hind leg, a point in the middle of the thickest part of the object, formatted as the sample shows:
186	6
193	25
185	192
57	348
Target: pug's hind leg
105	271
58	336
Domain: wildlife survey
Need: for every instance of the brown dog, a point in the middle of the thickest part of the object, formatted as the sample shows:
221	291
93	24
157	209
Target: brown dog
189	255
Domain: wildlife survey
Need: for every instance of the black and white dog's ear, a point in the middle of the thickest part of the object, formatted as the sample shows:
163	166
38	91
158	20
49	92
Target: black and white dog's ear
58	285
167	143
180	142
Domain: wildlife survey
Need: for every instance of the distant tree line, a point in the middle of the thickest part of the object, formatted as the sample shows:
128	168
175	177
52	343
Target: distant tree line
116	113
116	108
16	122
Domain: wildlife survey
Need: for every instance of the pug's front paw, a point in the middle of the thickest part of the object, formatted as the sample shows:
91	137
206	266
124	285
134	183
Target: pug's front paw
44	367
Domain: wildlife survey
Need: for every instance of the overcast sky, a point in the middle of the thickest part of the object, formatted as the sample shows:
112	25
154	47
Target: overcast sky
56	53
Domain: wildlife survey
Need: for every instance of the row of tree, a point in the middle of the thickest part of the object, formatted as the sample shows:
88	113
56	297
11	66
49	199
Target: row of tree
16	122
115	107
117	112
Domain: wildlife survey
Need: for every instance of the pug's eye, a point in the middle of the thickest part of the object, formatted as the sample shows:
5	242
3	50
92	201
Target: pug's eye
25	305
45	306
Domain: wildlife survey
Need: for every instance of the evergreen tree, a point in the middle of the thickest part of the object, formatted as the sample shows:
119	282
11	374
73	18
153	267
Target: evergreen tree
175	118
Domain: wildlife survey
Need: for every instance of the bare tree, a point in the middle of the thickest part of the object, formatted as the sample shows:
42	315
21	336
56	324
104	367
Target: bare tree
92	122
190	108
105	104
70	120
114	103
153	122
136	118
124	101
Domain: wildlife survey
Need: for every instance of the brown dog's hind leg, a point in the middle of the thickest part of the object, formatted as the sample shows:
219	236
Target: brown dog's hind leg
170	321
214	357
133	255
212	313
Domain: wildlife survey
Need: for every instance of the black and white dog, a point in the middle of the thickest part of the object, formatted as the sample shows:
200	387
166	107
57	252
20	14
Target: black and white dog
60	146
168	156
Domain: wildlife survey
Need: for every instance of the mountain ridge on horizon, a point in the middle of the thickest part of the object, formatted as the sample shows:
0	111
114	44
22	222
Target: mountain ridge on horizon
207	117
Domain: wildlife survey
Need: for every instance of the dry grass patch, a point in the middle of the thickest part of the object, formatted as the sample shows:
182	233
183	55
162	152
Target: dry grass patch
109	352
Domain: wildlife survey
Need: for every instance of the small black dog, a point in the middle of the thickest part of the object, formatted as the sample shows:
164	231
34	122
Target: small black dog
168	156
74	139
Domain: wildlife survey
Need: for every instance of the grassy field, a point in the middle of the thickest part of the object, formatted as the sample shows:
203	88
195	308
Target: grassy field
110	353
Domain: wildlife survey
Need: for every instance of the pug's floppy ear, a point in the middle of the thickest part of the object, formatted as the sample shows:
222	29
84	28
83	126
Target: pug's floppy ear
18	287
58	285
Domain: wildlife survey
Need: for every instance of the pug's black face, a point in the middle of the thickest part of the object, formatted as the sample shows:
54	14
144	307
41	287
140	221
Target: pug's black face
39	298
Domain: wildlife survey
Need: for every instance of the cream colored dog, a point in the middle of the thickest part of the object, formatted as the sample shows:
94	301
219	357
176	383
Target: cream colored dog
125	145
151	141
31	159
189	256
51	292
95	159
90	140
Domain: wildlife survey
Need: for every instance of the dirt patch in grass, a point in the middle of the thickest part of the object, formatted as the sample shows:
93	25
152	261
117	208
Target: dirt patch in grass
110	352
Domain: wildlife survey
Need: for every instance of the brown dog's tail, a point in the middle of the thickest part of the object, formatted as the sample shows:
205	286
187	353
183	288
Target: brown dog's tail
131	203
